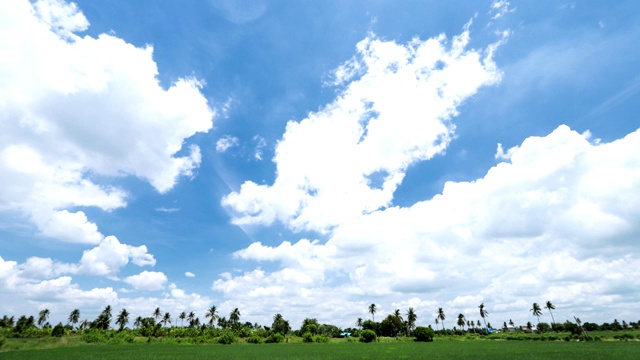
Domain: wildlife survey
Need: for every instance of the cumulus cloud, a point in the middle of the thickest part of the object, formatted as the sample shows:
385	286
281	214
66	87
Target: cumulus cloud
110	256
147	280
532	229
394	109
189	274
78	111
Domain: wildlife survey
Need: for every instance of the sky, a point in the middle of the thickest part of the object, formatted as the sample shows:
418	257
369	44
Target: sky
310	158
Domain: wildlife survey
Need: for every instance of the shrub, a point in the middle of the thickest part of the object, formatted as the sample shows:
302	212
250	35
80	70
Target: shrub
227	338
58	330
254	339
422	333
320	339
274	338
367	336
307	337
2	340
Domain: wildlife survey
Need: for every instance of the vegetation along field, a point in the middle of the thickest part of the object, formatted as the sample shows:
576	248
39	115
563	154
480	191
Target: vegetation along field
394	337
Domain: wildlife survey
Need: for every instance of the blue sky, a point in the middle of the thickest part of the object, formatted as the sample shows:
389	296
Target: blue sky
311	158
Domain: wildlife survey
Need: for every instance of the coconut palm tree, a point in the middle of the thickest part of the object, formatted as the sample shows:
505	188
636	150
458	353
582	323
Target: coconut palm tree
441	316
191	317
483	314
536	310
461	321
359	323
157	314
43	316
183	315
166	319
137	322
212	313
74	317
550	307
411	320
234	317
122	319
372	311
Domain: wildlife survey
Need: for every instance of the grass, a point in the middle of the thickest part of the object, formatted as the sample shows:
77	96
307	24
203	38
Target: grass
343	350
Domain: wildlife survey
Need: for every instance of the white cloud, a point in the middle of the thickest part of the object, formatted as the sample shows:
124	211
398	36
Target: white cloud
110	256
261	143
347	159
225	143
147	280
78	109
558	222
499	9
189	274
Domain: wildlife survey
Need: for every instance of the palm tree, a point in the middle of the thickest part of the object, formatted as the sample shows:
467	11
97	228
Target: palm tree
138	322
461	321
483	313
359	323
372	311
191	318
411	320
441	316
234	317
212	313
122	319
183	315
157	314
166	319
437	321
550	307
536	310
74	317
43	316
511	322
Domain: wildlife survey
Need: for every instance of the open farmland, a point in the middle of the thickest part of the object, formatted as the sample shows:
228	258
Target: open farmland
383	350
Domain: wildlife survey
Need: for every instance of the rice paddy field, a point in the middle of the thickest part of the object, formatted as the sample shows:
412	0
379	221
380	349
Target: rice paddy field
496	349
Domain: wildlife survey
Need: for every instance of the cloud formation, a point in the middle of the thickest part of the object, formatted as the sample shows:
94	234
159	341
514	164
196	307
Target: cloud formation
78	111
534	228
394	109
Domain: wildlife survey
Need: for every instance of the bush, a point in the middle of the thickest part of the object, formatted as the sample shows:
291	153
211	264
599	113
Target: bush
320	339
254	339
422	333
307	337
274	338
367	336
227	338
2	340
58	330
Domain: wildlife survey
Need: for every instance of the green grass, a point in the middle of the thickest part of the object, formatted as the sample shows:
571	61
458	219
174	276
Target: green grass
342	350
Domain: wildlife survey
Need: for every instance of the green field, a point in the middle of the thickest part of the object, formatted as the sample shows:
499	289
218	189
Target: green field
401	350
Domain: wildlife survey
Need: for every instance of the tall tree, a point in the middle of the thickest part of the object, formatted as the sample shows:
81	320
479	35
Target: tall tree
74	317
359	323
157	314
192	318
483	314
43	316
234	317
138	322
461	321
411	320
212	314
372	311
550	307
441	316
536	310
122	319
183	315
166	319
280	325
